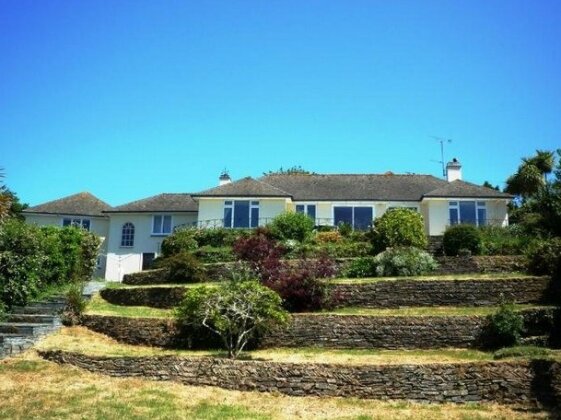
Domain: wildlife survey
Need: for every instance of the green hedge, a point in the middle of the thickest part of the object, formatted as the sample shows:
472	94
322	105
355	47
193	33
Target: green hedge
35	258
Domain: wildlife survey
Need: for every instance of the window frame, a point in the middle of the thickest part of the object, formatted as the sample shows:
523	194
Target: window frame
352	205
131	235
163	217
231	205
77	221
478	205
307	211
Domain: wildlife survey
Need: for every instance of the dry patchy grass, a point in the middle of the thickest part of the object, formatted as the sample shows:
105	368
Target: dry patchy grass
424	310
82	340
429	277
33	388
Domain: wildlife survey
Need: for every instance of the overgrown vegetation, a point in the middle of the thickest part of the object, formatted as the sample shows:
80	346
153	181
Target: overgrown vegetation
361	268
34	258
235	311
75	305
399	227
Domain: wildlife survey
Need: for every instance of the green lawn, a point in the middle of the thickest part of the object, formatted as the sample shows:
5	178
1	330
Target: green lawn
98	306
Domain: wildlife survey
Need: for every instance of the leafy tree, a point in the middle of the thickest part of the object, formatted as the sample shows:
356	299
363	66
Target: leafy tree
487	184
293	170
236	311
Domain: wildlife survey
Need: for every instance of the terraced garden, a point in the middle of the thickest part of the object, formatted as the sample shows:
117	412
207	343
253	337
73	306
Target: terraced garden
425	353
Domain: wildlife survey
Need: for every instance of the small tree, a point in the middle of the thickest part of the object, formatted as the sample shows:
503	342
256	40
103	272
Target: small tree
461	238
236	311
399	228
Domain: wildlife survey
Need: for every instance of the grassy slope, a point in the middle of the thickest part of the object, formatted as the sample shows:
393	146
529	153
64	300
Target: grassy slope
33	388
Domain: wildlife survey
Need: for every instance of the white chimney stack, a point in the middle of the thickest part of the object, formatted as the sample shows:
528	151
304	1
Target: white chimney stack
224	178
453	170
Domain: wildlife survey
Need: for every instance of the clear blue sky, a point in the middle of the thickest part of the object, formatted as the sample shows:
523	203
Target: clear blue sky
127	99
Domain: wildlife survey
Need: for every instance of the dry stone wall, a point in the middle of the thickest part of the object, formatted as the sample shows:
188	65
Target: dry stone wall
433	292
322	330
501	382
381	294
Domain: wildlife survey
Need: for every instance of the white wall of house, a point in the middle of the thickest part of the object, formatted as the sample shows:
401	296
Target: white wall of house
98	225
123	260
436	212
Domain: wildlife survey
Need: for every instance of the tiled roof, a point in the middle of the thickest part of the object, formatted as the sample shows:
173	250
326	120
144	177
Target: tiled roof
173	202
246	187
355	187
462	189
82	204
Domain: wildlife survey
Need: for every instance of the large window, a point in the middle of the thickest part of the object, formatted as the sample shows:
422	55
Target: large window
468	212
76	221
309	209
241	214
359	218
161	224
127	235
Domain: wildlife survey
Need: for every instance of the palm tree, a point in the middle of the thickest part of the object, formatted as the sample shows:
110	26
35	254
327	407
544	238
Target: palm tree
543	160
526	182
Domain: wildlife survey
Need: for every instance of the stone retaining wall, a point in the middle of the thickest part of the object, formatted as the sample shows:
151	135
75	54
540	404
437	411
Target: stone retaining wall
502	382
380	294
432	292
481	264
447	265
317	330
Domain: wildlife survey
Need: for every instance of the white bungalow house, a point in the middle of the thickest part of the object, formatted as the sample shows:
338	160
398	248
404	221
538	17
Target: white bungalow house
134	231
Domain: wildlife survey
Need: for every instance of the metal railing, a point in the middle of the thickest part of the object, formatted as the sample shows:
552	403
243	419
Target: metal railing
486	222
263	221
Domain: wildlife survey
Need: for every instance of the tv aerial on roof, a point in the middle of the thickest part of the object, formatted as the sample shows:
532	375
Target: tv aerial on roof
442	141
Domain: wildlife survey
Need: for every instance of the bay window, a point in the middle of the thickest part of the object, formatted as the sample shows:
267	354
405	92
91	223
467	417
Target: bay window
467	212
241	214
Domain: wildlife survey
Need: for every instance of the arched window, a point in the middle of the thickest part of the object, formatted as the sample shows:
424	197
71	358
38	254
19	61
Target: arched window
127	235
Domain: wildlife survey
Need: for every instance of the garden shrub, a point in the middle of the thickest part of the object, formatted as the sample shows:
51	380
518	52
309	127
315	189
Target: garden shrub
237	312
345	229
544	258
75	305
182	240
399	228
183	268
461	237
292	225
504	328
258	249
343	249
529	352
498	240
209	254
404	261
219	237
328	237
361	267
300	283
33	258
21	262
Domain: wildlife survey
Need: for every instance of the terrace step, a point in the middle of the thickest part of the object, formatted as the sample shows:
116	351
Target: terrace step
39	309
26	328
34	318
12	344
